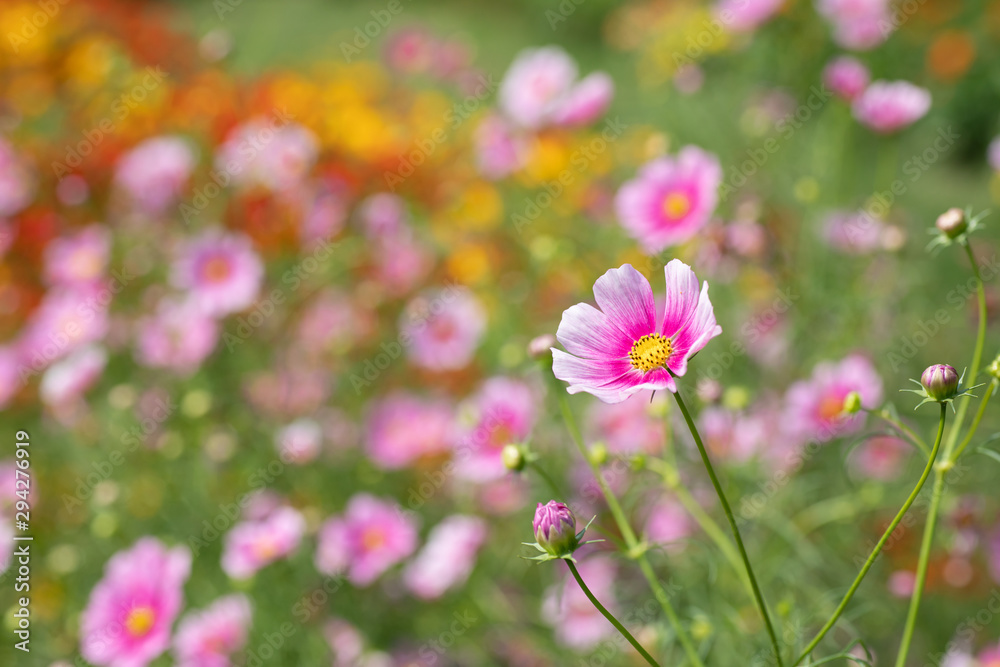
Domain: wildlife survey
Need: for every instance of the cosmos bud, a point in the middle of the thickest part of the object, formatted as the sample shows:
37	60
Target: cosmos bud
852	403
940	381
541	347
555	528
952	222
513	458
993	370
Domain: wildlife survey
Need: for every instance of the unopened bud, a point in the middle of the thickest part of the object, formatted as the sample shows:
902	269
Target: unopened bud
513	457
852	403
952	222
940	381
598	453
555	528
541	347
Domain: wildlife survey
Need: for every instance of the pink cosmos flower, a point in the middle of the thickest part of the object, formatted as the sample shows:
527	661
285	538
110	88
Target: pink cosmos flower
289	390
846	77
447	558
221	271
503	412
989	657
670	199
746	15
410	50
814	407
500	150
539	89
578	624
208	638
178	336
128	618
586	101
334	321
880	458
68	378
325	215
443	328
858	24
265	153
620	349
67	319
371	537
17	181
853	232
345	641
401	263
627	427
10	380
81	258
251	545
888	106
393	443
728	435
300	442
154	173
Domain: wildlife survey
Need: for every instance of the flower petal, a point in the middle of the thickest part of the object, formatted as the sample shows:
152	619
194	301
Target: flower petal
699	330
603	379
626	298
587	332
682	296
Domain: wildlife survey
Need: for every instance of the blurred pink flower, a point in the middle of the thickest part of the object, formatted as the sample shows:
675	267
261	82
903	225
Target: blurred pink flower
334	321
66	319
989	657
221	271
620	350
130	612
179	336
814	407
670	199
209	638
17	181
746	15
443	328
667	522
287	391
269	153
628	427
447	558
345	641
887	106
578	624
901	583
540	88
383	215
69	378
586	101
846	77
858	24
370	537
880	458
325	215
401	263
6	542
10	374
728	435
689	79
299	442
993	154
853	232
81	258
393	442
502	412
411	50
154	173
251	545
500	150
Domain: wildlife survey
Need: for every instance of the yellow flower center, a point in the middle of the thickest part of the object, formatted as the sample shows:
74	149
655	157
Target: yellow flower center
830	407
649	352
216	270
265	549
372	539
139	621
676	205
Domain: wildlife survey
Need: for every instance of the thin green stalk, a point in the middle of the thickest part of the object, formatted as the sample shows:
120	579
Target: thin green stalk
975	422
921	576
758	597
902	428
631	542
878	547
611	617
548	480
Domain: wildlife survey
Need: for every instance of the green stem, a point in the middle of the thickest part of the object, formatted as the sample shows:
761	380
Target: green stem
977	357
878	547
902	428
761	605
548	480
975	422
634	550
611	617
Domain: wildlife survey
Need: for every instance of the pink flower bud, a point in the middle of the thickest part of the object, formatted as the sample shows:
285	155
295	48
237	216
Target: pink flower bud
940	381
555	528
